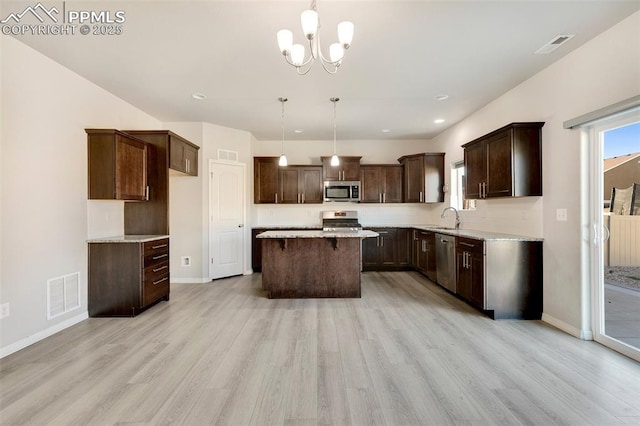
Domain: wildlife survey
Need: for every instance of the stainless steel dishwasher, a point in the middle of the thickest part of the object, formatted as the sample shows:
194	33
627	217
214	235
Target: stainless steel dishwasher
446	261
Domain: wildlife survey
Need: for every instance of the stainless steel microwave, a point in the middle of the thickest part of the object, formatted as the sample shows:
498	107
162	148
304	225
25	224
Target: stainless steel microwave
342	191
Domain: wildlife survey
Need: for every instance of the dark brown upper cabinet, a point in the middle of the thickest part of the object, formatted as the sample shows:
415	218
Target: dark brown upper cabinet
349	169
505	163
423	177
300	185
183	155
117	165
293	184
381	183
152	217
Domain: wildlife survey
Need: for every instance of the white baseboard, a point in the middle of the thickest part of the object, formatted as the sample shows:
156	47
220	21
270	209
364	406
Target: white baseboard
28	341
567	328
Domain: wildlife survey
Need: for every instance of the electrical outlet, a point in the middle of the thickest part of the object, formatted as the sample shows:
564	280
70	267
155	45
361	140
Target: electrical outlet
4	310
185	261
561	215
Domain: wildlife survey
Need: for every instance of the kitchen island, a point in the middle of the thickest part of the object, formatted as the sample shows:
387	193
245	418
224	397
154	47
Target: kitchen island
311	264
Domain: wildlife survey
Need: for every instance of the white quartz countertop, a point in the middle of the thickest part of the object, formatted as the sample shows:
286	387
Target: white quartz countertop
478	235
128	239
285	233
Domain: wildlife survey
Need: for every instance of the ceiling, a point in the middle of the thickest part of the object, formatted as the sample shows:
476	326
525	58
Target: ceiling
403	55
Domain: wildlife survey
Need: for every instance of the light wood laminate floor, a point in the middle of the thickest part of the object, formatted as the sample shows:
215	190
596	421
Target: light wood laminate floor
406	353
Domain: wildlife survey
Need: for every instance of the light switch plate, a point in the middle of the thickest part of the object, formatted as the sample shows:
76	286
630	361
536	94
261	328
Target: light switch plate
561	215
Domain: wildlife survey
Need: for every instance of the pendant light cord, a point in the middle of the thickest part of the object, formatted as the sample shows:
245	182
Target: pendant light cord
334	127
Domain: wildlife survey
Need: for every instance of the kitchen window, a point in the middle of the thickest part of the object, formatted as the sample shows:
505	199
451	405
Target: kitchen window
458	188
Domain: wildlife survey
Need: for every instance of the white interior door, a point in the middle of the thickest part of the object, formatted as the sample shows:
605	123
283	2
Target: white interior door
227	219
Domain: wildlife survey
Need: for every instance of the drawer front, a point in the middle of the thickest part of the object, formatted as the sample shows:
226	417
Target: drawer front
156	252
156	247
156	282
470	245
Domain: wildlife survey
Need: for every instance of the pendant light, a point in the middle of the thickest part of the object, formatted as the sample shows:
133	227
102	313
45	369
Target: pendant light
335	161
283	158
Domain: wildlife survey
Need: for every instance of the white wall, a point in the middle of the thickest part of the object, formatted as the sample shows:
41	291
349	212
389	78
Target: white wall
45	225
603	71
189	198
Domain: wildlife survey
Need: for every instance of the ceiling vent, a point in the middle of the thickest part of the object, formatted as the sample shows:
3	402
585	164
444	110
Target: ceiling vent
556	42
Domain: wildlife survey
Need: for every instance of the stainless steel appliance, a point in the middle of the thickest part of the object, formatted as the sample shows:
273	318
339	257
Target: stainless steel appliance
342	191
340	220
446	261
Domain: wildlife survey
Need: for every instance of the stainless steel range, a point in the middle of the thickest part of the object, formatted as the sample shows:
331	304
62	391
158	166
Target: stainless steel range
340	221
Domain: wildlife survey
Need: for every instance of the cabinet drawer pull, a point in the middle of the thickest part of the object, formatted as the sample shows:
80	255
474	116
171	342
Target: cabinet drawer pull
159	281
462	243
159	257
160	246
160	268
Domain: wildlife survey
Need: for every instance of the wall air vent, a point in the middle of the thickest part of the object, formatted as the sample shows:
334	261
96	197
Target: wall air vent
63	295
226	155
556	42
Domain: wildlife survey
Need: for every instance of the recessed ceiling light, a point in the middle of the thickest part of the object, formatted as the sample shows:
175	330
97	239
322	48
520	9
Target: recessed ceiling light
442	97
438	120
298	131
386	130
199	96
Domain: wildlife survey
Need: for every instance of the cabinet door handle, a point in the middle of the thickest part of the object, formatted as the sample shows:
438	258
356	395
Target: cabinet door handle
302	196
159	281
384	197
420	196
160	246
276	198
160	268
382	242
379	198
462	243
146	193
159	257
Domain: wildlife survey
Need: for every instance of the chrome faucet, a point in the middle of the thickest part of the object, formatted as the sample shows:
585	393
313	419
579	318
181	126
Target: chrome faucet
457	215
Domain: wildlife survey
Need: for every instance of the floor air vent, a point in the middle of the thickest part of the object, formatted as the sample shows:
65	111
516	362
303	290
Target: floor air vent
226	155
63	295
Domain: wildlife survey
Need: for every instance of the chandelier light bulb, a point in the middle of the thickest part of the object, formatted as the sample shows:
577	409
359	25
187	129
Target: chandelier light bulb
309	20
345	33
297	54
336	52
285	41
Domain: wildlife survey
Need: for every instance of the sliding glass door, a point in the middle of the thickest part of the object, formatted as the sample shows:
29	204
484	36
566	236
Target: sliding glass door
614	151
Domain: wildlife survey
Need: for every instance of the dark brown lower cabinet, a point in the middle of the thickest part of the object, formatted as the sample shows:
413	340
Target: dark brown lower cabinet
425	252
391	250
125	278
470	271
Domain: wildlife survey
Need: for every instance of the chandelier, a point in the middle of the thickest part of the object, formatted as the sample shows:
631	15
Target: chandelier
295	53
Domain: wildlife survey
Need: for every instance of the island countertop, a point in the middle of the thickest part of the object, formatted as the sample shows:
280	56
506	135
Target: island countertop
285	233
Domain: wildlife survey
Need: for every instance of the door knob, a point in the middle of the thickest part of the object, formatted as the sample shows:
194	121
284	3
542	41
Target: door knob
241	225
